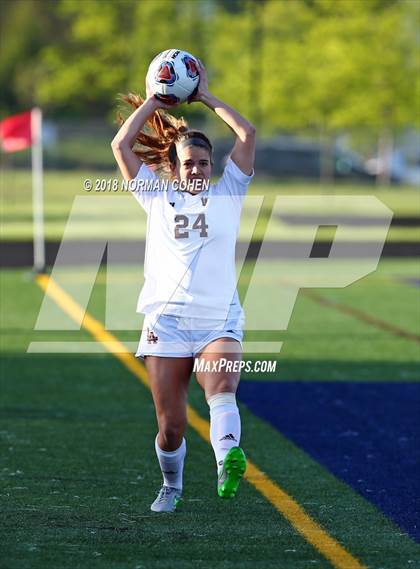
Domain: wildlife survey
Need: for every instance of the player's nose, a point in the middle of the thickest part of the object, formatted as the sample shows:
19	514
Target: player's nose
194	170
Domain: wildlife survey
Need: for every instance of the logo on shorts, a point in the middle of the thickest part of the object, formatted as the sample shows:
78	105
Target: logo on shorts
151	337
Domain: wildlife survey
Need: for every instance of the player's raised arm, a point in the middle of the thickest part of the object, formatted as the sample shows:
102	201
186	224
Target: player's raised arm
122	145
243	153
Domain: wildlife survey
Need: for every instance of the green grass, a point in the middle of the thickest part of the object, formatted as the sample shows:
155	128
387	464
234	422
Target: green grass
78	471
101	213
327	338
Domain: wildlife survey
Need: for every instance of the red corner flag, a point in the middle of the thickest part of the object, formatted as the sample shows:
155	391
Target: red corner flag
16	132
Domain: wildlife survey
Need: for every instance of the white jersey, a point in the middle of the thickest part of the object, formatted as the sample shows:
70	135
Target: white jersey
190	247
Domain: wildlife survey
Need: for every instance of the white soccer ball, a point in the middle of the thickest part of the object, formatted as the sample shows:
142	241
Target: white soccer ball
173	75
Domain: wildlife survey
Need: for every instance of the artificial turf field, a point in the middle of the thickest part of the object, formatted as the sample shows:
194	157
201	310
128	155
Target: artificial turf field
335	427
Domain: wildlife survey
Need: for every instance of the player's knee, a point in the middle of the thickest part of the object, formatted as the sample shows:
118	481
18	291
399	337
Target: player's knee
222	385
172	431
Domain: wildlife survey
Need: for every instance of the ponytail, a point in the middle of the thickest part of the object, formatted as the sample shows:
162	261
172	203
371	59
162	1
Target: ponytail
156	144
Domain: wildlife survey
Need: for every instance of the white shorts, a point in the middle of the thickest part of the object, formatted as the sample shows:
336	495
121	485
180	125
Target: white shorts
179	337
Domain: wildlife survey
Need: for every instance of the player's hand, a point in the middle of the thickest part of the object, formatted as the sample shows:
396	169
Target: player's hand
159	104
149	92
202	89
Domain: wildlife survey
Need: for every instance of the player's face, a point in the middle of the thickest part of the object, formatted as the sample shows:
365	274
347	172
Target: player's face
193	163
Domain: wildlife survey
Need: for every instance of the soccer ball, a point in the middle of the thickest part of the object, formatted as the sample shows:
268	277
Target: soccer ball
173	75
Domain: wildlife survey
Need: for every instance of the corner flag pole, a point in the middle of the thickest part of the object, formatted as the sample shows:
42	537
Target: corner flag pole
37	191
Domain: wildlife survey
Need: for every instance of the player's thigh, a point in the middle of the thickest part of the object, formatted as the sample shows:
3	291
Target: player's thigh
169	379
219	361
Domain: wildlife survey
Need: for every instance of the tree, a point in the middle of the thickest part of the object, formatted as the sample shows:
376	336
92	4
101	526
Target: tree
83	70
289	65
341	66
26	27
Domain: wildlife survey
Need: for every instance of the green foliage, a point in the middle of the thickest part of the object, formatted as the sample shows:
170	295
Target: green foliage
83	71
354	66
230	59
288	65
25	25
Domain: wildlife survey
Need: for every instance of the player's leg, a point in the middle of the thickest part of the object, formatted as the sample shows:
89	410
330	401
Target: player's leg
169	379
220	385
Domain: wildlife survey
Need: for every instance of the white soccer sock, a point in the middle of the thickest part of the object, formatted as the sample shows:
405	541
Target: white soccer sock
172	464
225	424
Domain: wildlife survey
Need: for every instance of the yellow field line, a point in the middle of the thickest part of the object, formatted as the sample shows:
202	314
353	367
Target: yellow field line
285	504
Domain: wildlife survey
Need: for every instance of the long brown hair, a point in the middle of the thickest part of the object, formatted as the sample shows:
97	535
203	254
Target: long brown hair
156	143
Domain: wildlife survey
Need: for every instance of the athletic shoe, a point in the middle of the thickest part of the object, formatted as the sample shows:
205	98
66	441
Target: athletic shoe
233	469
167	500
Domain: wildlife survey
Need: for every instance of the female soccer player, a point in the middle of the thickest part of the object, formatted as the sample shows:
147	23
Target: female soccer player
191	306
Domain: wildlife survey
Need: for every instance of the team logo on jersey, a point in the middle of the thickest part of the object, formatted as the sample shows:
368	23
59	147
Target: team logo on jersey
151	337
191	65
166	73
204	200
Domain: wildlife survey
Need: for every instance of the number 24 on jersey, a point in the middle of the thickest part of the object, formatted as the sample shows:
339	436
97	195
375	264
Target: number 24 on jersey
183	223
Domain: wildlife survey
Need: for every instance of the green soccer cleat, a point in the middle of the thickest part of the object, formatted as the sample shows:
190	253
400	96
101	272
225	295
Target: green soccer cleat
168	500
233	469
